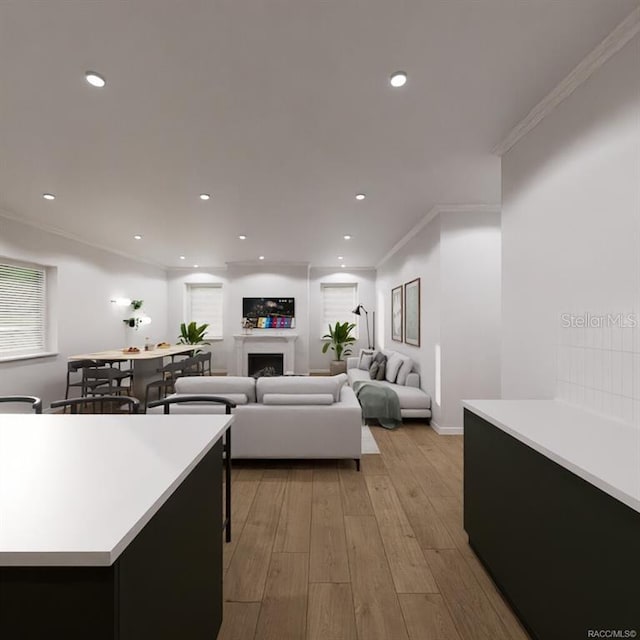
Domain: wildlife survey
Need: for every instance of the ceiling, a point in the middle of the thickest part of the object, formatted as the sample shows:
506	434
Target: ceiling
281	110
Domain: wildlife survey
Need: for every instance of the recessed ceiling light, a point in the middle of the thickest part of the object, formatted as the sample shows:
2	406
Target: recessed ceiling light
398	79
347	237
360	196
205	196
48	196
195	266
94	79
183	257
343	266
242	237
340	258
137	237
260	257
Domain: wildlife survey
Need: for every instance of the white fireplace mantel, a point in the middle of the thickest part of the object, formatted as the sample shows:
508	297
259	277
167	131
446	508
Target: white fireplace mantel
276	342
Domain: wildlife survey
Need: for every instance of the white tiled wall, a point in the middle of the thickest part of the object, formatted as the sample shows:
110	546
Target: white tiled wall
598	368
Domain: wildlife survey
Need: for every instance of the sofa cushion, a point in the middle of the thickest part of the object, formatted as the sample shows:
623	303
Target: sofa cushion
410	397
357	374
297	398
365	361
405	369
217	385
301	385
382	368
393	366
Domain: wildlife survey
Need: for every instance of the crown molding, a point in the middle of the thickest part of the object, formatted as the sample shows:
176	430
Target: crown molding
615	41
431	215
70	236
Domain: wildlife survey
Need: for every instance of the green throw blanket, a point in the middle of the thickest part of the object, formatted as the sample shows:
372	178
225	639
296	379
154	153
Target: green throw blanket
378	402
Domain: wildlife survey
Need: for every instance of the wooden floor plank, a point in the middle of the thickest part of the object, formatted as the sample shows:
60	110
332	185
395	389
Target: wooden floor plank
450	473
294	527
330	613
451	513
247	573
355	497
427	617
403	451
406	560
283	615
429	529
239	620
243	493
377	610
328	550
372	464
474	616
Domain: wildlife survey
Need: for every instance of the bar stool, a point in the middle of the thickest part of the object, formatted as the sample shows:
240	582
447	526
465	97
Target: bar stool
36	403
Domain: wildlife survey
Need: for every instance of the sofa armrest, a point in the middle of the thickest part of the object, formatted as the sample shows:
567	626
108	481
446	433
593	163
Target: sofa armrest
413	380
352	363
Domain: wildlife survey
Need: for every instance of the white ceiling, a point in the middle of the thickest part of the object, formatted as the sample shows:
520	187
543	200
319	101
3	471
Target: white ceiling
280	109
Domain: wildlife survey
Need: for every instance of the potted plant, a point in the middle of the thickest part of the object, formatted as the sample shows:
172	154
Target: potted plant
339	340
193	334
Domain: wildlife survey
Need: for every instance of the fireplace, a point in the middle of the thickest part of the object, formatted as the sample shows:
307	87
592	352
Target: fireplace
265	364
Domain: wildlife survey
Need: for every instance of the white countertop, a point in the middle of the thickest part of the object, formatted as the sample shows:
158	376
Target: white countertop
75	490
602	451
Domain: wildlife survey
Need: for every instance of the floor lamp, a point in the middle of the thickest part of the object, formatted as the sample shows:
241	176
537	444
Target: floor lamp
358	311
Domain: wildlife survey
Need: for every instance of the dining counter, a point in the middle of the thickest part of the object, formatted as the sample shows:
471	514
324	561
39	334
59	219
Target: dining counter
111	525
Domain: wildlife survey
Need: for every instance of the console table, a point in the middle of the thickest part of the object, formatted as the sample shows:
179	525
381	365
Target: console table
111	526
552	509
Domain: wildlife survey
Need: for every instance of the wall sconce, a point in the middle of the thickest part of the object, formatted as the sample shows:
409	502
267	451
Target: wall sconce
138	318
121	302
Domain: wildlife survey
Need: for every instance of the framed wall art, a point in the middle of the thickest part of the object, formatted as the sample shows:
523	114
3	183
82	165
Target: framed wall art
412	312
396	314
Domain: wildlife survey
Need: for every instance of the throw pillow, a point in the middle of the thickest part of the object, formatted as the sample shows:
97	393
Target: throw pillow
405	370
380	357
382	367
365	361
373	369
393	366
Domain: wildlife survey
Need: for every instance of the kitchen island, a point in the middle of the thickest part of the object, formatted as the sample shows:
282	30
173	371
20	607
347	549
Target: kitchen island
552	509
111	526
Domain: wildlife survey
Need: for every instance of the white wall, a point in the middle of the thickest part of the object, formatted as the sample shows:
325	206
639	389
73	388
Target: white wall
470	268
87	279
571	244
457	258
419	258
365	280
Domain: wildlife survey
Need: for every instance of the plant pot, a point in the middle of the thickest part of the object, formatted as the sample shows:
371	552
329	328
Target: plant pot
337	366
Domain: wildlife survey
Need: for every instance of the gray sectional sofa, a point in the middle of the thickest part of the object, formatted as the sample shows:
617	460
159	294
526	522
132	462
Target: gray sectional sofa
401	376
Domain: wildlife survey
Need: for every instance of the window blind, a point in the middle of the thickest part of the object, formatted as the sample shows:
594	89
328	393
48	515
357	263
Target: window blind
338	303
22	310
205	306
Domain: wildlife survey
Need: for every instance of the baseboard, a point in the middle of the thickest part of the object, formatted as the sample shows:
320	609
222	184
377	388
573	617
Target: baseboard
446	431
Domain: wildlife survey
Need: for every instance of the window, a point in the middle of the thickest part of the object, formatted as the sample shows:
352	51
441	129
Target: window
23	310
204	305
338	303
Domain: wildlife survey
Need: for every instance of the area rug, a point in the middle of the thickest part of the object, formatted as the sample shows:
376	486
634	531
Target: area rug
369	444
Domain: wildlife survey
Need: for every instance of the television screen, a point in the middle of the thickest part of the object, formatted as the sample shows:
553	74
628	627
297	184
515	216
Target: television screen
270	313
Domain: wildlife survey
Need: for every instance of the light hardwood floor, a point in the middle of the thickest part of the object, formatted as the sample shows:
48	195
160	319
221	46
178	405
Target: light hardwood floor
322	552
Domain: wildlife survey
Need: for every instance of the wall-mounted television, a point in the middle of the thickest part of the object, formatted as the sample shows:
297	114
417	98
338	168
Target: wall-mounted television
270	313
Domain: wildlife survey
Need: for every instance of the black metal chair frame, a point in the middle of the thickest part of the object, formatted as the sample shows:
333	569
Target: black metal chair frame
36	403
226	443
74	403
78	366
104	381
